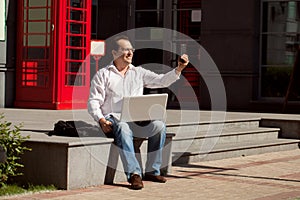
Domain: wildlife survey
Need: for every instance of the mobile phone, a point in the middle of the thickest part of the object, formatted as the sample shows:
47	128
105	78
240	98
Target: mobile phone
181	60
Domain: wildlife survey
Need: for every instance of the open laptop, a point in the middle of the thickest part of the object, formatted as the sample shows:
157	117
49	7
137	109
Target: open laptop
143	108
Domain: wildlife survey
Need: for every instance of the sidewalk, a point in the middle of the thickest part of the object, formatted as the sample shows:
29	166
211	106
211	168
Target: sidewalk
270	176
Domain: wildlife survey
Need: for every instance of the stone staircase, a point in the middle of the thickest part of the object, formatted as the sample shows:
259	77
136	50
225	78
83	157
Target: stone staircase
77	162
202	142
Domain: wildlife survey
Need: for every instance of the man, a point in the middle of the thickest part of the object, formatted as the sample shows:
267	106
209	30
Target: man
108	87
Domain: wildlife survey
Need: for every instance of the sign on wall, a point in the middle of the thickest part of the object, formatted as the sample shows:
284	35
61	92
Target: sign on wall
196	15
97	48
2	20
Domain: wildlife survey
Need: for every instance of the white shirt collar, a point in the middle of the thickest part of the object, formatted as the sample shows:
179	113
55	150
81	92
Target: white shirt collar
112	66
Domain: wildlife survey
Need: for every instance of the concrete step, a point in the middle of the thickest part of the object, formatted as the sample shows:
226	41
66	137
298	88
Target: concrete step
208	141
190	129
229	134
221	151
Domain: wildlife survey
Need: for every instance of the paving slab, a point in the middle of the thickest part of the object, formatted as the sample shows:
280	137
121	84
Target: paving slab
270	176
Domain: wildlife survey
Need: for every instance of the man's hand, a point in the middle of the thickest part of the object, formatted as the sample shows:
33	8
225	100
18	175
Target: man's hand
183	61
106	126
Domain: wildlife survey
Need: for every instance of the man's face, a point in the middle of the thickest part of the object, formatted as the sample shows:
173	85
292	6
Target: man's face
125	51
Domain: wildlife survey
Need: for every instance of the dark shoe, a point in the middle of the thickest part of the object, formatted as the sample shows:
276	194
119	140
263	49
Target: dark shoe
158	178
136	182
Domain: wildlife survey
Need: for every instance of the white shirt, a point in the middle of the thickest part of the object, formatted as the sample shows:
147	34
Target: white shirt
108	87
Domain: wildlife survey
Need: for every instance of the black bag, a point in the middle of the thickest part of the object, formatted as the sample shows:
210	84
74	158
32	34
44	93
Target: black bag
65	128
75	129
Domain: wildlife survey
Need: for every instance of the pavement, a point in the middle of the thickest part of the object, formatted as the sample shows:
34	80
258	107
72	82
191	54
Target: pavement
270	176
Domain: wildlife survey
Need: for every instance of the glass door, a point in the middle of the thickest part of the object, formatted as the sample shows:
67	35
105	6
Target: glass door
34	58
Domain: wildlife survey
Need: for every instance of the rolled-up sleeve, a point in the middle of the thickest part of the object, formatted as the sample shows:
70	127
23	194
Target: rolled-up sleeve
153	80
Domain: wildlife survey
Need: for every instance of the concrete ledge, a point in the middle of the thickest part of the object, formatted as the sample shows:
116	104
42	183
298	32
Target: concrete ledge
289	128
79	162
67	163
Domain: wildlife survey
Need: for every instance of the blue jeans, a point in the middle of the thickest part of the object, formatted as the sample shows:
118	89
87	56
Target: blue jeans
124	132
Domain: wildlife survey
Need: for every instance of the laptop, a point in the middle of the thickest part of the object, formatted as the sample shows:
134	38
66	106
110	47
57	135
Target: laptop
144	108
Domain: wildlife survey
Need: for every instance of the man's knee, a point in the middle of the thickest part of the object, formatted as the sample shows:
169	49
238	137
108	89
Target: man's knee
123	130
159	126
123	125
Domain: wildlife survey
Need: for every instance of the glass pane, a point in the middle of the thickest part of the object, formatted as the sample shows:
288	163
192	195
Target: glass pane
76	15
76	80
41	79
74	67
147	19
37	14
280	49
148	4
76	28
36	53
76	3
38	2
34	15
43	66
75	54
142	57
36	40
94	19
275	81
75	41
281	17
37	27
187	25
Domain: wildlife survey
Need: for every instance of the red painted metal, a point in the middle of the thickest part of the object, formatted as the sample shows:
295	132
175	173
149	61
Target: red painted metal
53	69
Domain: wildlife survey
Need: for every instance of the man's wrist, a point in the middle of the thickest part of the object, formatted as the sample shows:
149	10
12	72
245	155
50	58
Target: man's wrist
178	70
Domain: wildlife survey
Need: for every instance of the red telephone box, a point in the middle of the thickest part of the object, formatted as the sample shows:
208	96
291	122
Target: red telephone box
53	46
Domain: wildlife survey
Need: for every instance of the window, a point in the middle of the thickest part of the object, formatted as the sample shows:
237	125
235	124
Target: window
280	36
149	14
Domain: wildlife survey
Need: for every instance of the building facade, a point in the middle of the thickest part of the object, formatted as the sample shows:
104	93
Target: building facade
253	43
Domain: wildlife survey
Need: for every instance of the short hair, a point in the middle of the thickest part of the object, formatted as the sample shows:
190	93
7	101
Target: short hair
115	45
